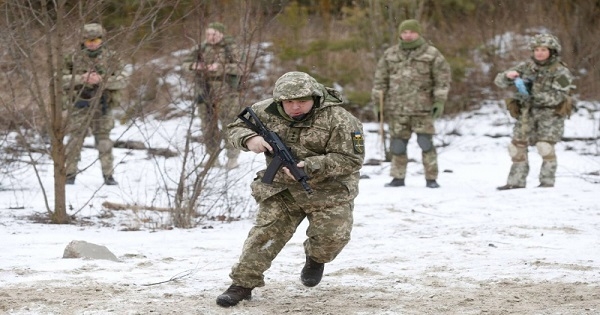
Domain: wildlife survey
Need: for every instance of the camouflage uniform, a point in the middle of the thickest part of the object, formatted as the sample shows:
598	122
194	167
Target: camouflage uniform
412	81
91	105
329	141
538	122
217	94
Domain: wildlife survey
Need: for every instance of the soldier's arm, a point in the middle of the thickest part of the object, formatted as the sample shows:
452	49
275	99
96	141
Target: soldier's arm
442	76
502	81
344	154
237	62
118	78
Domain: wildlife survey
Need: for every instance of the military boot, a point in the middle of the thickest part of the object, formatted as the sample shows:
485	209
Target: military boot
507	187
233	295
312	272
396	182
431	183
109	180
70	179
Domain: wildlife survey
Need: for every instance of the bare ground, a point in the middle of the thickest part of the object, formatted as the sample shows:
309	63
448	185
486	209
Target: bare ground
432	295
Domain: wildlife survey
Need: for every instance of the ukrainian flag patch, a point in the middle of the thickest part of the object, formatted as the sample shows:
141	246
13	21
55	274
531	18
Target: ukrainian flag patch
358	142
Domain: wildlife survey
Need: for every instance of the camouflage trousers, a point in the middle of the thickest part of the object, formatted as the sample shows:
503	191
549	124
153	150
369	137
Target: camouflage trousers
401	129
216	110
80	120
541	127
277	219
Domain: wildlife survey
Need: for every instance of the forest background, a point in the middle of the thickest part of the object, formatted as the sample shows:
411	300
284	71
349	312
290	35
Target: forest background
336	41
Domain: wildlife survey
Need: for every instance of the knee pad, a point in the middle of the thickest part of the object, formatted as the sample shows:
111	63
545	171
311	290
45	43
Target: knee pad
104	145
546	150
398	146
517	153
425	141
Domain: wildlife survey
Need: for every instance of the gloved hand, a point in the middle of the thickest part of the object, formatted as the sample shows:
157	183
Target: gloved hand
437	110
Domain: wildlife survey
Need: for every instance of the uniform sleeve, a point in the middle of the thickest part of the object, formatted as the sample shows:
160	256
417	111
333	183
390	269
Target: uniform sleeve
442	76
119	77
381	81
67	72
502	81
344	152
234	66
190	59
238	132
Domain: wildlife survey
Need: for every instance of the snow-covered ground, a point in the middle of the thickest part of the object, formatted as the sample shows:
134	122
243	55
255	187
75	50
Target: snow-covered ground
465	248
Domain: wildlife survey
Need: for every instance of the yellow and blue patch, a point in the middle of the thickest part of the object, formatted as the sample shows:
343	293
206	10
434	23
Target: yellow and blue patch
358	142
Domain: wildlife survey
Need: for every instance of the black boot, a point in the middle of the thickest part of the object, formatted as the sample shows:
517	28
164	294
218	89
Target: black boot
507	187
109	180
70	179
396	182
233	295
312	272
431	183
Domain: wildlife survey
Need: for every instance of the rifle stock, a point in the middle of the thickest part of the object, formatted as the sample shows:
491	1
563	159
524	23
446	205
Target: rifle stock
281	153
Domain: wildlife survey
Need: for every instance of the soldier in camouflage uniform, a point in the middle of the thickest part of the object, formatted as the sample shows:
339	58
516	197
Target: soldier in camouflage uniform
217	64
93	78
540	110
327	142
414	78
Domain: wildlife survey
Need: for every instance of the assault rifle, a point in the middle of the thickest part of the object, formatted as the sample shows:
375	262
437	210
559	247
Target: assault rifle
281	153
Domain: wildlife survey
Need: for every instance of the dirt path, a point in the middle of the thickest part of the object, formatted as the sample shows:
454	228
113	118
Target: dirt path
430	296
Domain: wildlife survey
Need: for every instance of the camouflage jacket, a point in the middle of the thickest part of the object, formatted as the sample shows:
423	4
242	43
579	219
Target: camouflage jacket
412	80
225	53
329	141
106	63
550	84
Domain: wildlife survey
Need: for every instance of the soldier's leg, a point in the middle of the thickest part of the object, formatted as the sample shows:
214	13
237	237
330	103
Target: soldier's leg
209	125
276	221
328	231
102	124
399	157
228	114
429	155
519	169
76	131
549	163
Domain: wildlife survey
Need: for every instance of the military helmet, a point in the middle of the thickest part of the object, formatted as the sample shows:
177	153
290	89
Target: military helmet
545	40
93	30
295	85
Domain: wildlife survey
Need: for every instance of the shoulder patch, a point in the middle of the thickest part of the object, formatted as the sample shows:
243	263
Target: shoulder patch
358	142
563	81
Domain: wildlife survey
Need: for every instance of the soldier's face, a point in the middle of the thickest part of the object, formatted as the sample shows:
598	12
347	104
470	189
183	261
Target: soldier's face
213	36
409	36
92	44
541	53
296	108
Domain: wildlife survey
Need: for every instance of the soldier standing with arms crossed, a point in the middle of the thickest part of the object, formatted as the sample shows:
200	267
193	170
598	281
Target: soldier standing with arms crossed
93	78
414	78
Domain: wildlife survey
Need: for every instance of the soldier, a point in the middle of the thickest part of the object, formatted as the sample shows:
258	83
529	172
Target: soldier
414	78
540	107
93	78
217	65
327	142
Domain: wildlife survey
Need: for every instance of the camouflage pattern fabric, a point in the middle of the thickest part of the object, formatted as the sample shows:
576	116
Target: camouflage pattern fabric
325	141
217	91
98	114
412	80
538	122
402	128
